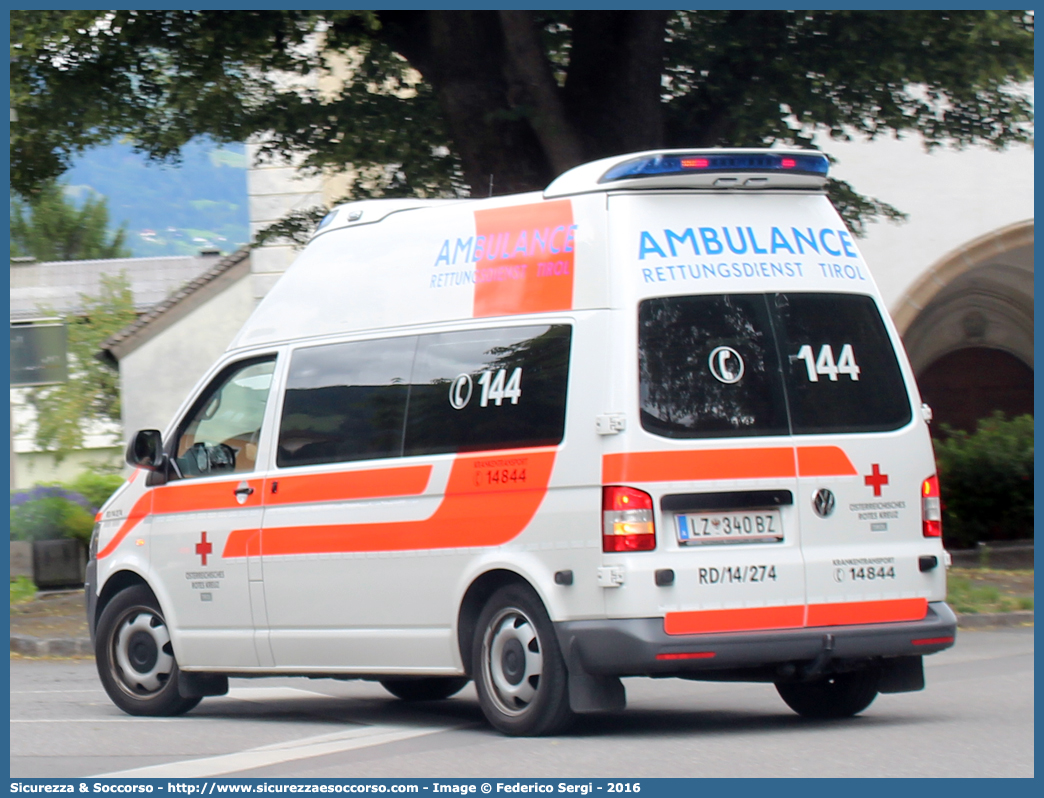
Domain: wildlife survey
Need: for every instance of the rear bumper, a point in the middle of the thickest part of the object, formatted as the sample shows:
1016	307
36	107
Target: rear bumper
640	647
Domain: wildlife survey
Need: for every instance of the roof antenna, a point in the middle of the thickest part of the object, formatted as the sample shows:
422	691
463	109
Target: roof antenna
491	185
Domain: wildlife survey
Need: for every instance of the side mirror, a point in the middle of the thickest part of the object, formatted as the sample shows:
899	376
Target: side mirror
145	450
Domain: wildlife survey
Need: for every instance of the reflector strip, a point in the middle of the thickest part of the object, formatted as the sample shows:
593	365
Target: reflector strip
856	612
743	620
686	655
932	641
795	617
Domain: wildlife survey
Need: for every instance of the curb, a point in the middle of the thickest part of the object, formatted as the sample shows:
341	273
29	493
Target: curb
30	646
994	619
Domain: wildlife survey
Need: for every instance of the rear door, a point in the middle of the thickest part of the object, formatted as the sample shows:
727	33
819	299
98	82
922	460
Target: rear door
862	456
714	452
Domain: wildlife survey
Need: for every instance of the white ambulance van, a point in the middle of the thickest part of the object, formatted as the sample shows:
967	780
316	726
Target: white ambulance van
652	421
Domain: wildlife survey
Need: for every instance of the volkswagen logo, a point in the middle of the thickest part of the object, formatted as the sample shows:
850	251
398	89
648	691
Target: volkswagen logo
823	503
726	365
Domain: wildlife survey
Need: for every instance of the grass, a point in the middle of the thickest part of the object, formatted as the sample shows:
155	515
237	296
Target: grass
964	595
22	589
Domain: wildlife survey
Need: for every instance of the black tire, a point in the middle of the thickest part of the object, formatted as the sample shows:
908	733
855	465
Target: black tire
519	672
432	689
134	656
839	695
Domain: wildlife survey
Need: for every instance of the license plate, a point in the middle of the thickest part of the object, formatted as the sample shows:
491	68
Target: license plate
745	526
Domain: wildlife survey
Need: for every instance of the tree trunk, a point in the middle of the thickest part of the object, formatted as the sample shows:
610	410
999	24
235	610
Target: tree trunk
514	128
613	89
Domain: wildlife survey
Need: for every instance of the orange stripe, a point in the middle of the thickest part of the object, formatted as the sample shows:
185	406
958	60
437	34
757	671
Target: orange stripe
142	507
854	612
347	485
794	617
702	622
190	496
698	464
525	264
474	512
194	497
824	461
703	464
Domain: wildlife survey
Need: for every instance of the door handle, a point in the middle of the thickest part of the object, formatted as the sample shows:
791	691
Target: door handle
242	492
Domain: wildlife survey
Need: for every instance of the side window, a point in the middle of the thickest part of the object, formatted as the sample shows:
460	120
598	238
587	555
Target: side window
488	389
221	433
345	402
708	367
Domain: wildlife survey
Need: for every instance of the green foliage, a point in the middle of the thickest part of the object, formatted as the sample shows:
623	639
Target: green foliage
67	411
986	480
22	589
965	596
50	512
48	226
441	103
96	487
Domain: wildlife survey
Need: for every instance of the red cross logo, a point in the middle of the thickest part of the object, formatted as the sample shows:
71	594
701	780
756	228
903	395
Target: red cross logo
875	479
203	548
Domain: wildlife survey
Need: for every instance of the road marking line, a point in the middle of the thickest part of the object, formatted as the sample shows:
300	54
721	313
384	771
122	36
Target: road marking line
277	753
127	719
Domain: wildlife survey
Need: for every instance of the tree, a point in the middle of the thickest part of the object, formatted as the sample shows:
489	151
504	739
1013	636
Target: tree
442	103
90	399
48	226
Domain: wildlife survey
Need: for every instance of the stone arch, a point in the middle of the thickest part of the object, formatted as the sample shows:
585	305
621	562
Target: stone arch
972	313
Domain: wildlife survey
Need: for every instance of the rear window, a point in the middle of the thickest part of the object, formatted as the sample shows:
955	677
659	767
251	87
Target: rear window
840	368
683	341
765	364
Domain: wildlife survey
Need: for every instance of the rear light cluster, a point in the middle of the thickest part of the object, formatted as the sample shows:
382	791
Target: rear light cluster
931	508
627	520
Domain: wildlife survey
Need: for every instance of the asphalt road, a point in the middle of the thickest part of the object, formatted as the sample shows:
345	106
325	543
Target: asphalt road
974	719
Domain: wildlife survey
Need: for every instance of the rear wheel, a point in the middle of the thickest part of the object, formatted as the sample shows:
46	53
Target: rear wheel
838	695
433	689
134	656
519	672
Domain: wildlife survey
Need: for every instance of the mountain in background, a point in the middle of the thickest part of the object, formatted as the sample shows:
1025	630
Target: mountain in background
169	210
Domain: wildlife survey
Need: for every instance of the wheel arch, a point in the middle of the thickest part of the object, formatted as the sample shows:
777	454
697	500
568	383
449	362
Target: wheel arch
116	583
475	598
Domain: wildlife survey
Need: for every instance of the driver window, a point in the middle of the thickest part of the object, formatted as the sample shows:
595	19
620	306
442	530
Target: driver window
223	429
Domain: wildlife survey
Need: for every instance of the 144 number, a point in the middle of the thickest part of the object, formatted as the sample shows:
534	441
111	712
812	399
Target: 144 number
494	387
825	363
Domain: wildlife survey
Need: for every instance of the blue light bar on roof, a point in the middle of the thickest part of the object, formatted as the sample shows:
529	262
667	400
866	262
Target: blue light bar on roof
696	162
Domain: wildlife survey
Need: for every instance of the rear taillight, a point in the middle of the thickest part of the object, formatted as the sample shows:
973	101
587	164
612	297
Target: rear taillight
931	508
627	520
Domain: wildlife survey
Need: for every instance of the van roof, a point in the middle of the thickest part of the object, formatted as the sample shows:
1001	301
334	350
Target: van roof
710	168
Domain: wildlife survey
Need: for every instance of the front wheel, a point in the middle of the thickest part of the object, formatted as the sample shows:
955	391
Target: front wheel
519	672
432	689
838	695
134	656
